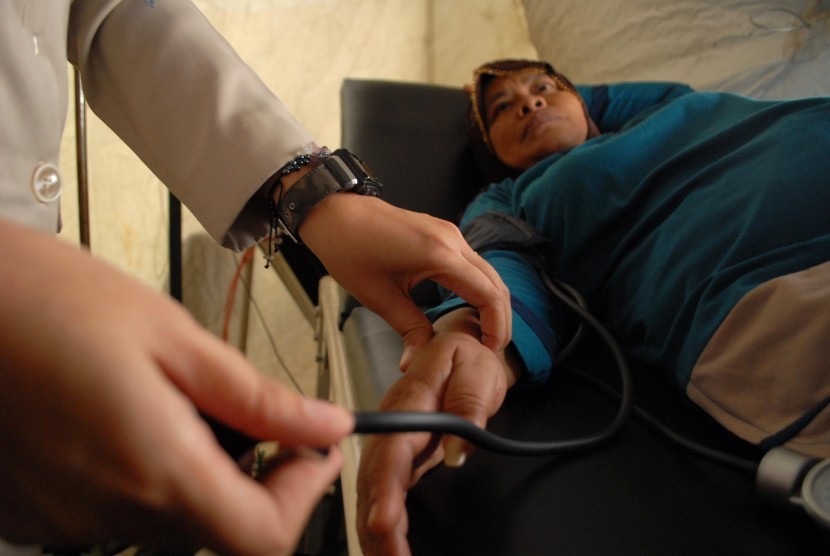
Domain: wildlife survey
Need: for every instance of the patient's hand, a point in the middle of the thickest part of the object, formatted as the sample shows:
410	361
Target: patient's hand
455	373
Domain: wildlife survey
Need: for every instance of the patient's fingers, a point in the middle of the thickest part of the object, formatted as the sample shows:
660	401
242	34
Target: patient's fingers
389	466
475	391
385	475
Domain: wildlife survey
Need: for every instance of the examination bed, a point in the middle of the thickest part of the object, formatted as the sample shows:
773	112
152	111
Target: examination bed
637	494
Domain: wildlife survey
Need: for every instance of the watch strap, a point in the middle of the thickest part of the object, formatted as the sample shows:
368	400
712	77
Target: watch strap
340	171
298	201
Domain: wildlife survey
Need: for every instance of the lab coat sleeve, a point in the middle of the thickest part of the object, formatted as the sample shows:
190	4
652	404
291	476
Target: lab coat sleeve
173	89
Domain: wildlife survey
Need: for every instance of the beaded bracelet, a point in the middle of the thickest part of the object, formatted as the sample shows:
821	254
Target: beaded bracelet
276	230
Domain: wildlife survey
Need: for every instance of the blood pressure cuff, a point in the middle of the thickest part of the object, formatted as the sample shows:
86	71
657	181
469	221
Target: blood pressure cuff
496	230
514	246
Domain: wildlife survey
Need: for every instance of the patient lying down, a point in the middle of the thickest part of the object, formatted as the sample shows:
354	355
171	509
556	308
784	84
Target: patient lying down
696	226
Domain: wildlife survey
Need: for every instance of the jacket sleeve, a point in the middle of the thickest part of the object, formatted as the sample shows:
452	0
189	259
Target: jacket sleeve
162	78
612	106
508	244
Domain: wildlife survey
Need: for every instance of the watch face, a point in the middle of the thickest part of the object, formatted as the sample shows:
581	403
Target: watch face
364	182
369	187
815	492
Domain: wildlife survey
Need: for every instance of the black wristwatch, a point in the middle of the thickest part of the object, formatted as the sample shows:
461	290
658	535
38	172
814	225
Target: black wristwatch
342	170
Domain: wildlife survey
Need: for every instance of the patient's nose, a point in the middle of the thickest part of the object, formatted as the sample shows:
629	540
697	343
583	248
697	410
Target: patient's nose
531	103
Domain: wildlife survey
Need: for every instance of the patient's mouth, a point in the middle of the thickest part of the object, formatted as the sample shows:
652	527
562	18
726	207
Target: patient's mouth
538	121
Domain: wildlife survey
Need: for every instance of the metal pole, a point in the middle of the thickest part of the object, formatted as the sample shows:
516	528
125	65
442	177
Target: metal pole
81	161
175	246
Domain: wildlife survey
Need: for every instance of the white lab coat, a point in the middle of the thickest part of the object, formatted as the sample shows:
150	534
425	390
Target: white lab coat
165	81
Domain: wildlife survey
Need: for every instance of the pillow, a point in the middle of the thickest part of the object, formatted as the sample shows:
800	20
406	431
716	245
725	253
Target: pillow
757	48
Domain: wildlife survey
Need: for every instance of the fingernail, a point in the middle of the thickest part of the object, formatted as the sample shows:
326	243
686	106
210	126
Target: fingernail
324	410
309	452
405	357
373	515
454	452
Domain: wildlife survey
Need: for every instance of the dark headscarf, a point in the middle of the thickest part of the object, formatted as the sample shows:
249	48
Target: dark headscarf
477	129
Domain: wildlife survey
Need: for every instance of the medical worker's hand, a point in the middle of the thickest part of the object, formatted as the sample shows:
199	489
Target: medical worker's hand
454	373
100	440
379	252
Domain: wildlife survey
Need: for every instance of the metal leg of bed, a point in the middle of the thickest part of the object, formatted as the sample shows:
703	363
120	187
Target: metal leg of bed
335	373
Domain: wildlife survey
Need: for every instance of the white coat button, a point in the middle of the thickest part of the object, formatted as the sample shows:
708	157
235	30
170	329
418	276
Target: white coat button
46	182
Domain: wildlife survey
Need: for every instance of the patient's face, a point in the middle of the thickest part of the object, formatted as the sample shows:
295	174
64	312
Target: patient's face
529	118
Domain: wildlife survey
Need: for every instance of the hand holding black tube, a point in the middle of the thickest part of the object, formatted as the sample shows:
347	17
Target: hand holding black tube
98	407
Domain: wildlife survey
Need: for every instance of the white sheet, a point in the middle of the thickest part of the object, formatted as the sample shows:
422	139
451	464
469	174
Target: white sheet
764	49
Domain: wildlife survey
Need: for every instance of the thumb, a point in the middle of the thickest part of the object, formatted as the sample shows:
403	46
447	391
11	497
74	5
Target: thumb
413	340
224	385
469	407
455	451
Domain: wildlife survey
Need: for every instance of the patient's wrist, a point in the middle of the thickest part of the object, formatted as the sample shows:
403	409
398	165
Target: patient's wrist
514	366
466	320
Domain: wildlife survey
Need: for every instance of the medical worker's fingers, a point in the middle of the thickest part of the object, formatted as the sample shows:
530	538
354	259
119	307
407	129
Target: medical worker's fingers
268	516
379	252
223	384
495	317
100	387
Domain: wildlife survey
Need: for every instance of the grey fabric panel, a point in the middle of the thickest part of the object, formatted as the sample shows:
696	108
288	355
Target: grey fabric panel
373	351
414	138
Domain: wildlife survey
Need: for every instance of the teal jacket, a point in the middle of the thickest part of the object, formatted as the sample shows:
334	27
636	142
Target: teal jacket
685	203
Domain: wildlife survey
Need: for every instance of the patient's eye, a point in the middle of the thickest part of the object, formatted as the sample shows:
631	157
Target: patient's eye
545	85
498	108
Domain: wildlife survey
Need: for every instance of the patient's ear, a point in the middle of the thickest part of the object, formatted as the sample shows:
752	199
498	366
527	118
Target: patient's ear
468	88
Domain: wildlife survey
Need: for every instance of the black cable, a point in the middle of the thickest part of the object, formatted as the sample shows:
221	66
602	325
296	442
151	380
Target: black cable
389	422
571	297
722	458
705	452
447	423
745	465
556	288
